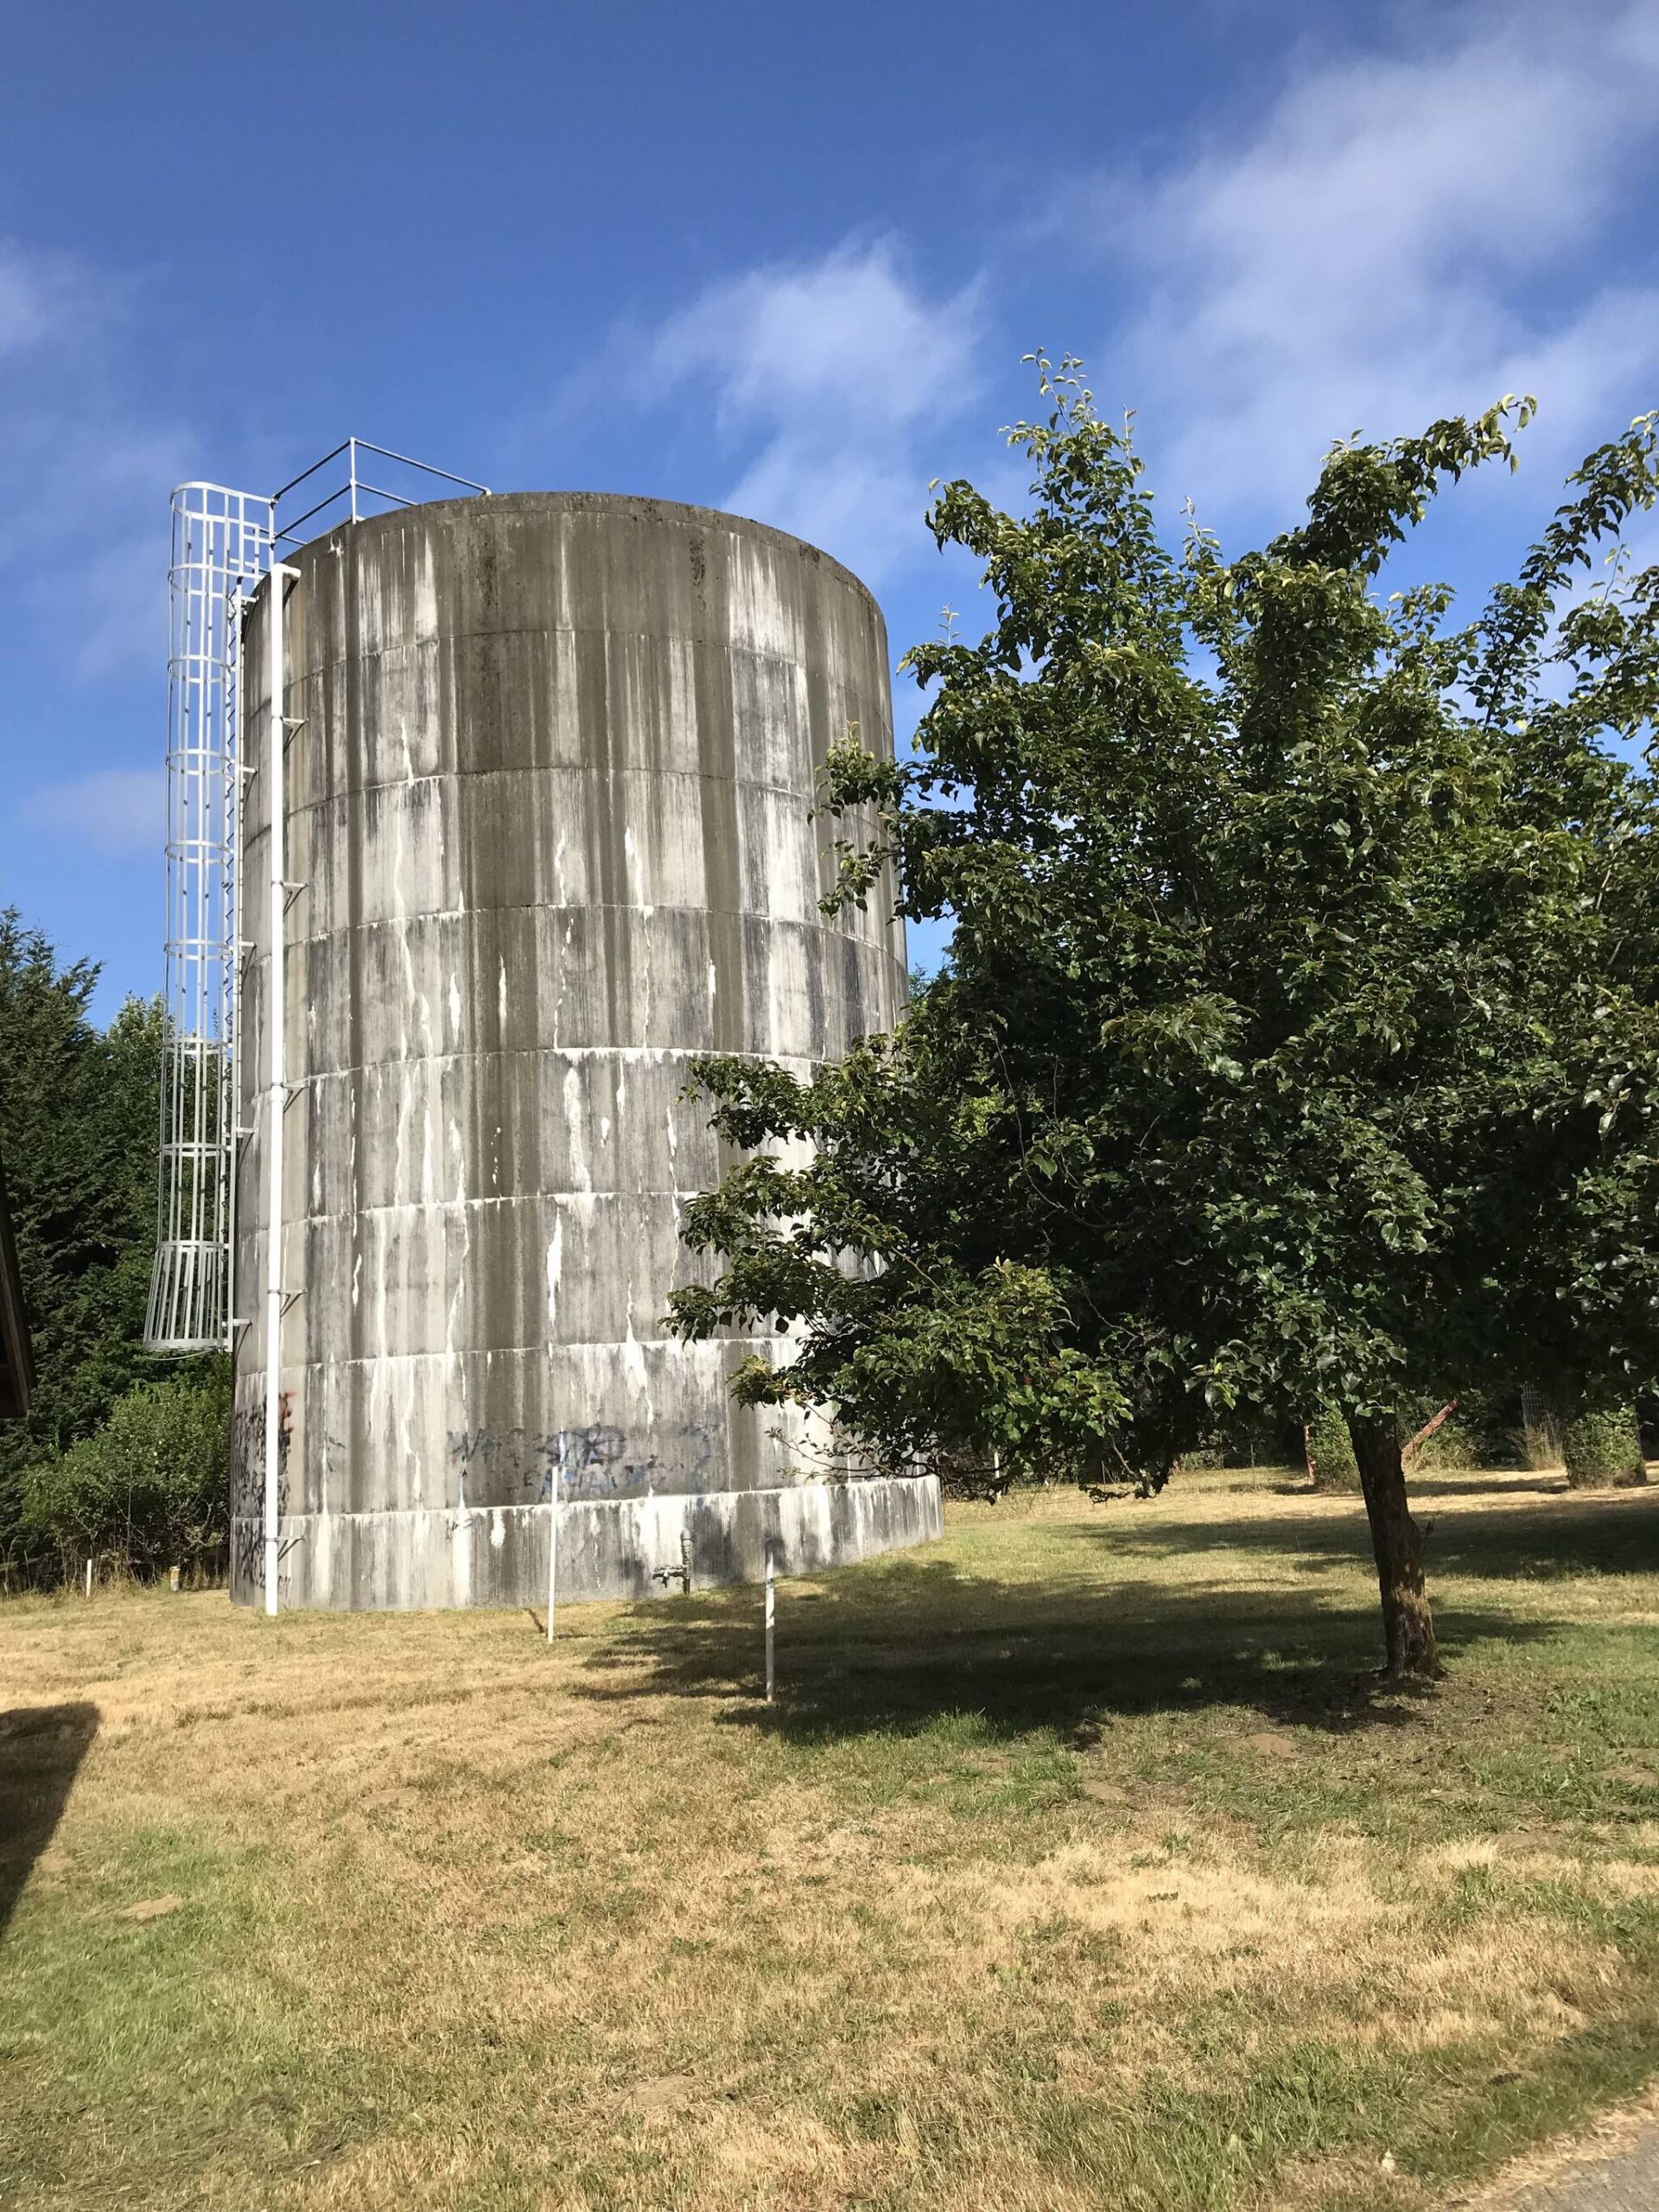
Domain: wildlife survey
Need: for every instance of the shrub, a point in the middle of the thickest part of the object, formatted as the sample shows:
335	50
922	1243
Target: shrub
148	1491
1331	1450
1538	1439
1600	1448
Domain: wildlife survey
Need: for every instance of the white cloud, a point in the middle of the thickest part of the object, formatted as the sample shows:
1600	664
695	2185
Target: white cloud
1400	238
113	810
41	296
83	476
832	371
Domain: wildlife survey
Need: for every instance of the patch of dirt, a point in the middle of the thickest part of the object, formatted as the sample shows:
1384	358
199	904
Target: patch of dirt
150	1908
1272	1743
1106	1793
663	2093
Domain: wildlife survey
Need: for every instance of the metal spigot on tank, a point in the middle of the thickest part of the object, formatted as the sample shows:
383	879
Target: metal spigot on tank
682	1574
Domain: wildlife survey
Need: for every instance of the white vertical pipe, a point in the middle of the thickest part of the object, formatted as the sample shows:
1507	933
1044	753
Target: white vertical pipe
552	1548
772	1616
276	1093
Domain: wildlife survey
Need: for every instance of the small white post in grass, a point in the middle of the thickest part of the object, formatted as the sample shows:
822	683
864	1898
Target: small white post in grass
772	1617
552	1552
89	1575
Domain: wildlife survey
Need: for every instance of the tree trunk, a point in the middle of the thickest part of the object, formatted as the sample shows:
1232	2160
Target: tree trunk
1407	1623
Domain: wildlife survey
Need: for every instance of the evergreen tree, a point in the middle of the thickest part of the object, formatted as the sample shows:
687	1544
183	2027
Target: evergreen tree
79	1111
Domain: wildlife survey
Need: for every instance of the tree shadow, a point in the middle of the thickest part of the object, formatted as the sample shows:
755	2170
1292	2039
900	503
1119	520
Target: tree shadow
917	1639
1497	1481
41	1747
1566	1533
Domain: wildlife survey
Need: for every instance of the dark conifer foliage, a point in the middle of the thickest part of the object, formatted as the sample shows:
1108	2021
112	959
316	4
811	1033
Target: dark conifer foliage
78	1122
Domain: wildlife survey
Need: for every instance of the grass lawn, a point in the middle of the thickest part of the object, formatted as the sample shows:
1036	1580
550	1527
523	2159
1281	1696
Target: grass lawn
1077	1865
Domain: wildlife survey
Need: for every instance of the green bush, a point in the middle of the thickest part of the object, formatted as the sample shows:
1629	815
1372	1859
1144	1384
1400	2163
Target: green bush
1331	1450
148	1491
1600	1448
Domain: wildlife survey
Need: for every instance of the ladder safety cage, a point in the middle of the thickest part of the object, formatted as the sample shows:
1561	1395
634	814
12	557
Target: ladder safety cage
223	542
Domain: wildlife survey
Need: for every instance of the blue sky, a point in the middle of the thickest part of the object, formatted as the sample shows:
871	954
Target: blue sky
780	260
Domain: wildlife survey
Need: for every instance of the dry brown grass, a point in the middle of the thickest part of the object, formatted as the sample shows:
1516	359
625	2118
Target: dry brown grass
1076	1867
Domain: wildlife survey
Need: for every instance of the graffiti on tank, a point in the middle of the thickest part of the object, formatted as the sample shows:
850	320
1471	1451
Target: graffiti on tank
248	1551
248	1457
515	1466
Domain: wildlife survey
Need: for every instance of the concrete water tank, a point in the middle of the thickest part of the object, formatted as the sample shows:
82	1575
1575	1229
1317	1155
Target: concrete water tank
548	829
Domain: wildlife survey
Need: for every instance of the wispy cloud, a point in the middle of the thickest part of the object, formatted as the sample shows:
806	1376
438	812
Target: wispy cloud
44	297
84	473
828	374
1402	236
113	810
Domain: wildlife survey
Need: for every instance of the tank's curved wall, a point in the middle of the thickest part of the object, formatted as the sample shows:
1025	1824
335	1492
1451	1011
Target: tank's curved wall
548	816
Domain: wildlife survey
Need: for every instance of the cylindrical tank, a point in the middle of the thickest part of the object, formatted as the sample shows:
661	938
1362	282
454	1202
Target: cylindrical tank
548	824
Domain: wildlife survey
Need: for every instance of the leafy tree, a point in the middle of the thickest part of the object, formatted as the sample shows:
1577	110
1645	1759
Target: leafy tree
78	1121
1298	1041
150	1489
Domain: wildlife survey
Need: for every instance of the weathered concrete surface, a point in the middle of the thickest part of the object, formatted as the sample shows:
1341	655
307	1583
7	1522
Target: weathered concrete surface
497	1556
549	806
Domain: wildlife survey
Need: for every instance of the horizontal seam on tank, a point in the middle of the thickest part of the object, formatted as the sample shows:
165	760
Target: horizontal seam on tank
789	1061
373	655
824	926
544	768
493	1198
472	1054
598	1504
538	1348
539	1051
587	906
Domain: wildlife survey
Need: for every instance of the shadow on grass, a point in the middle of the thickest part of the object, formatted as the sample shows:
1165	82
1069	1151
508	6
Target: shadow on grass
1567	1533
1484	1483
928	1641
894	1646
40	1751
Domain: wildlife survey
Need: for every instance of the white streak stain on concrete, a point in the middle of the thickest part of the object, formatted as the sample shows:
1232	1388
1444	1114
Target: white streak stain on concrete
555	1272
581	1175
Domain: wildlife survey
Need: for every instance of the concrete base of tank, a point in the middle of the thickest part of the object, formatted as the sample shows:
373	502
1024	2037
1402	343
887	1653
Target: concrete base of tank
613	1547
